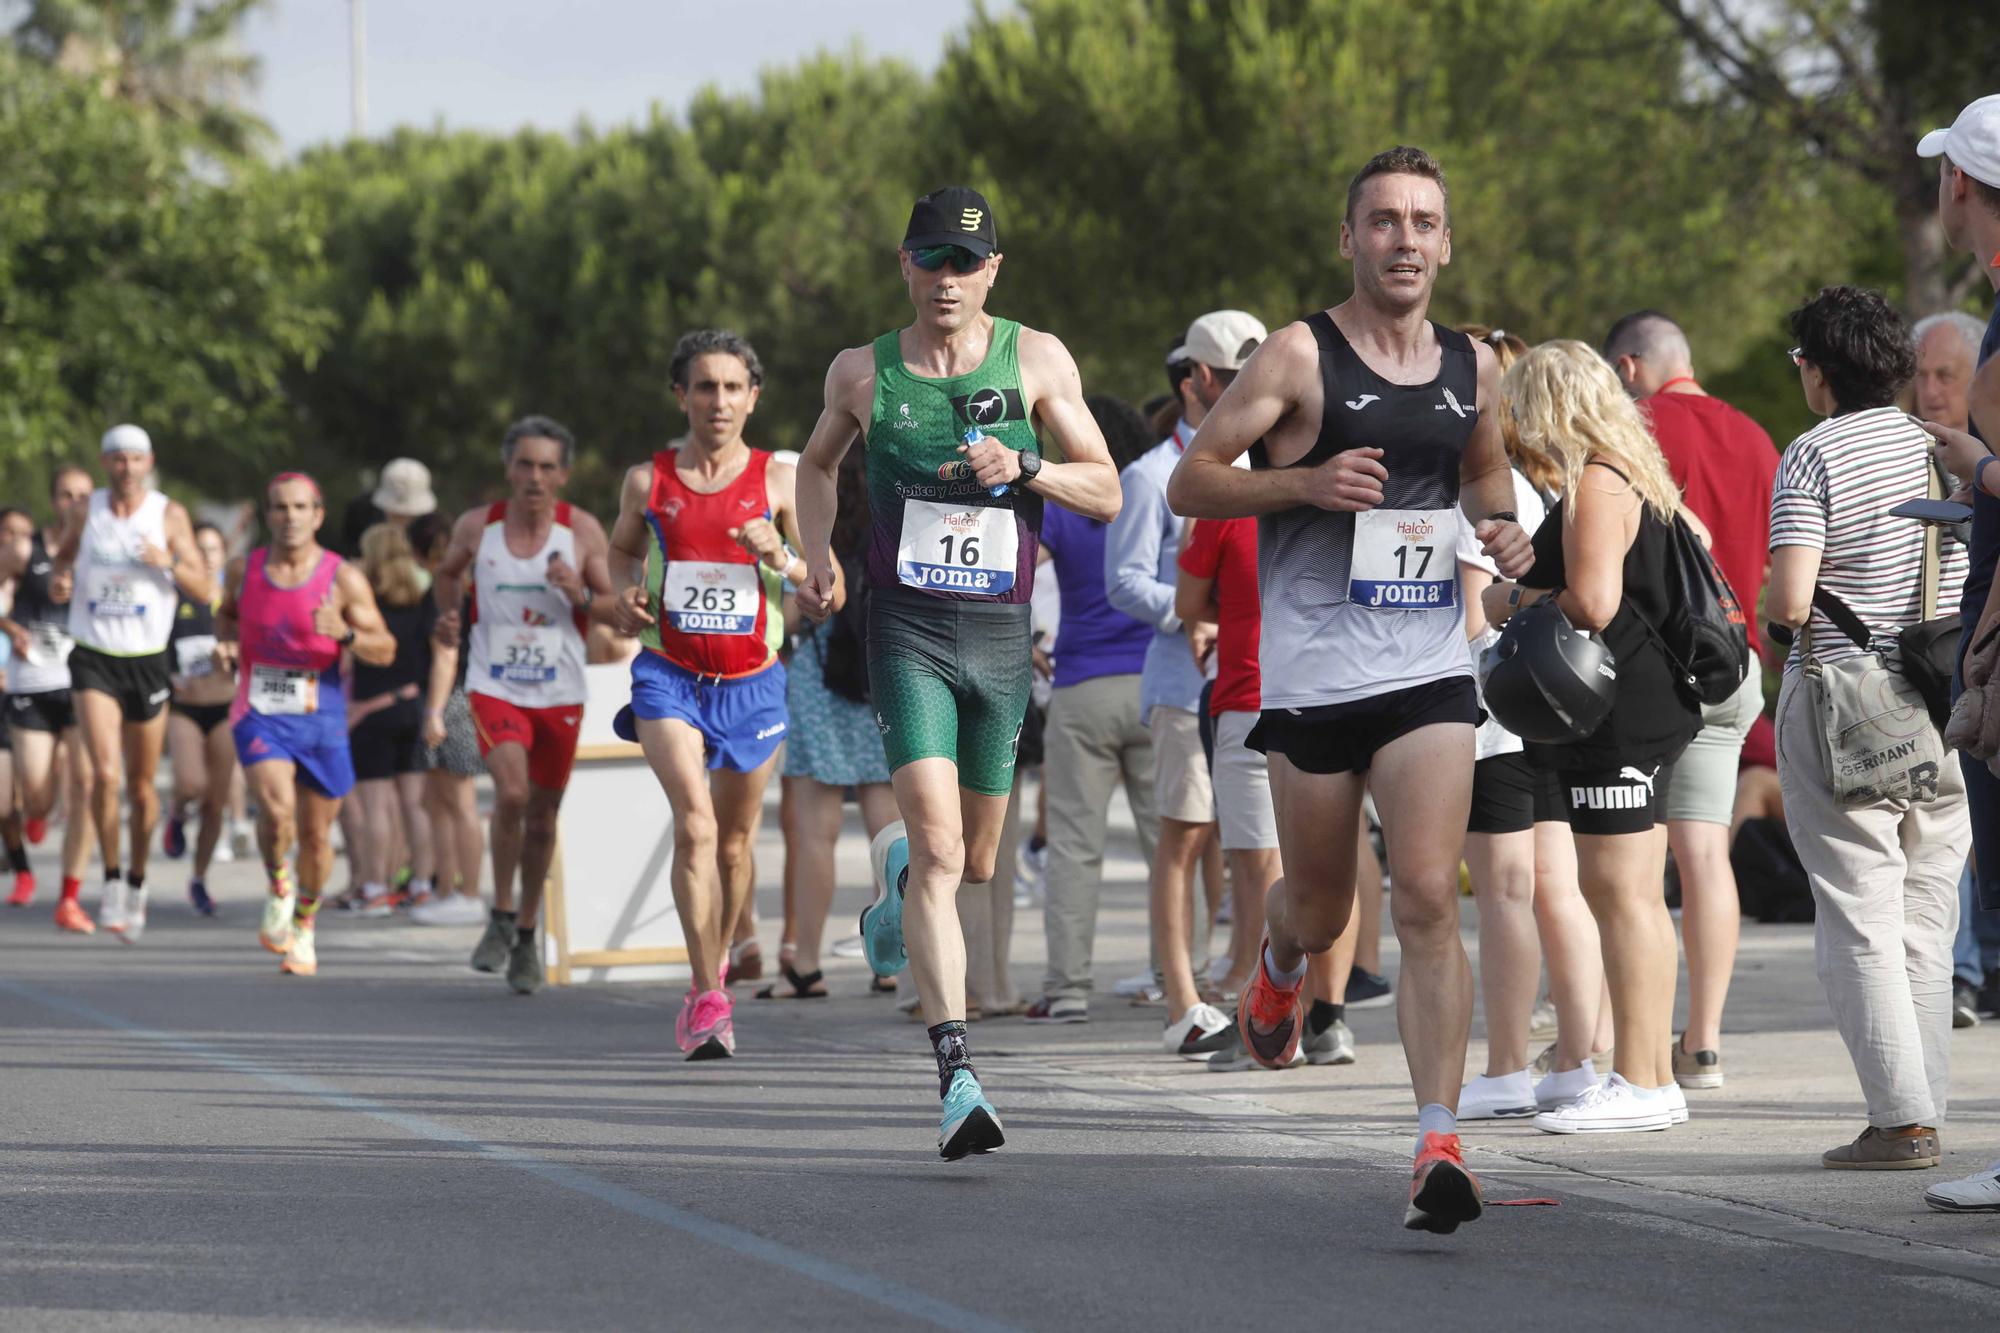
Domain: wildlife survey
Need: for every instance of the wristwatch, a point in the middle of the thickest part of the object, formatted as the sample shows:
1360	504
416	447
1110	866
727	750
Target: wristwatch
1031	467
347	639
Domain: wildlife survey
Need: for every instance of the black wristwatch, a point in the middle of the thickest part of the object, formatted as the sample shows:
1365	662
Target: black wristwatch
1503	516
347	639
1031	467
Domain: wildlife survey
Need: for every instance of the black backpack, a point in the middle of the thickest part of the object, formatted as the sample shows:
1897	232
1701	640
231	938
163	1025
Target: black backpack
1705	636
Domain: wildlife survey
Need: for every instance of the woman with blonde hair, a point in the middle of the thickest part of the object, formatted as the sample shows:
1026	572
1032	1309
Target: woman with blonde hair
1520	856
385	724
1603	555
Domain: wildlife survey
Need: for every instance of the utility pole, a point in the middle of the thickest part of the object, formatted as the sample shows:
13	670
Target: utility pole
357	42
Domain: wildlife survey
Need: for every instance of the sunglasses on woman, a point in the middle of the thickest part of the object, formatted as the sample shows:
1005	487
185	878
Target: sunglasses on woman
935	257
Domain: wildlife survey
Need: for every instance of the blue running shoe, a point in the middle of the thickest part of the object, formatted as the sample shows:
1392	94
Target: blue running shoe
198	896
882	920
969	1123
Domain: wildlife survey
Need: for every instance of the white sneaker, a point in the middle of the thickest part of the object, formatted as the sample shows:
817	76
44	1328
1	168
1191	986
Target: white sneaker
451	909
1509	1097
1612	1107
850	947
1561	1089
275	933
111	906
1677	1103
1976	1193
1196	1035
1136	984
135	916
224	853
301	956
374	901
242	842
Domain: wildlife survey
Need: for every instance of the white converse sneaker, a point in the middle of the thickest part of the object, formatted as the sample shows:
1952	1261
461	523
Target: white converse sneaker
1976	1193
1509	1097
1561	1089
1612	1107
1677	1103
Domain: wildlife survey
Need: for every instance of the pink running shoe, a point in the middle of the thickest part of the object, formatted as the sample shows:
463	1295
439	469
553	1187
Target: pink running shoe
705	1030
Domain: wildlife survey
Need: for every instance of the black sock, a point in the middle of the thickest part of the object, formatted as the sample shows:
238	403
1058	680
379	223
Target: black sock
1323	1015
137	881
523	934
1037	842
499	915
111	873
17	857
948	1044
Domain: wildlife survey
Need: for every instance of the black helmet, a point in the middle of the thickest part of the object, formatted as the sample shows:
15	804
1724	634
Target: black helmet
1545	680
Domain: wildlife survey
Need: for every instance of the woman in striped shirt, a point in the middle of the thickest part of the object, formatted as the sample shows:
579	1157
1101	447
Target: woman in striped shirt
1884	875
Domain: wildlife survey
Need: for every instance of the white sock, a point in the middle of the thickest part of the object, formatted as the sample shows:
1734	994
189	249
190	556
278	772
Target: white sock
1279	977
1435	1118
1564	1084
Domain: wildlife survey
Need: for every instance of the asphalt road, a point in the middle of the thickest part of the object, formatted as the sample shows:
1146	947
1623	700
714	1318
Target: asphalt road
193	1141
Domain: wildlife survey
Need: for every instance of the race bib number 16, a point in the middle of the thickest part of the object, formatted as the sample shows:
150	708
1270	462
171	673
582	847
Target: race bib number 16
948	548
1405	560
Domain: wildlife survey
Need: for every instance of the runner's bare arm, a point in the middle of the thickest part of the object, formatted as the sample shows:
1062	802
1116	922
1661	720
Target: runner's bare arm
352	603
1268	391
63	556
850	393
782	493
1486	478
184	560
625	556
1085	481
226	628
593	577
437	691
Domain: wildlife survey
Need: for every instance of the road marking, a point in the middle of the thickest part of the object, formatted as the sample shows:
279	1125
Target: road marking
867	1286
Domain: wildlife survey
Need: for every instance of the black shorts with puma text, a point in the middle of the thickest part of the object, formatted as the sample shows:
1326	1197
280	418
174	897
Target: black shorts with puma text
1628	799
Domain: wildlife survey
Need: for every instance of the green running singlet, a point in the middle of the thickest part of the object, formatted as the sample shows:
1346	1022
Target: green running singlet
950	567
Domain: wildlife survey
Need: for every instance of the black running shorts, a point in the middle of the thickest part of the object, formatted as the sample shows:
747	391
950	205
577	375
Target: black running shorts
1343	738
141	685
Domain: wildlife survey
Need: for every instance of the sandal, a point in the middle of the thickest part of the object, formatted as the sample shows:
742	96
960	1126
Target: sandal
881	985
807	986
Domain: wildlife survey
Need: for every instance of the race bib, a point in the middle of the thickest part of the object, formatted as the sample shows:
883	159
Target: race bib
1404	560
948	548
525	654
195	655
283	691
704	597
48	644
113	594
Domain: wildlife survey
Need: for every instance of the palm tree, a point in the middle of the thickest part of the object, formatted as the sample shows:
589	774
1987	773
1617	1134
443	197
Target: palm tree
184	68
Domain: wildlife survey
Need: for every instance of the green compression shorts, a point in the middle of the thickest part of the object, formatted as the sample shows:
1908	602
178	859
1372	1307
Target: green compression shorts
950	680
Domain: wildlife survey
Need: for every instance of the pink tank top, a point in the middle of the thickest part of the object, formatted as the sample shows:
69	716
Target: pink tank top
288	667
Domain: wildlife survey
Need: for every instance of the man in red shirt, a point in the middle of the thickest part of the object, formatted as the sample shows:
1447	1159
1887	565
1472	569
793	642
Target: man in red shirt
1725	464
1216	598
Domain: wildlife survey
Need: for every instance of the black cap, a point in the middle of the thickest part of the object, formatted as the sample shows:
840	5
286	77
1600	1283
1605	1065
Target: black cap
955	215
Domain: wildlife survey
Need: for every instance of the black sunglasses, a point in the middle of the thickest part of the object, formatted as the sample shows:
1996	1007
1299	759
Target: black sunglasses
932	258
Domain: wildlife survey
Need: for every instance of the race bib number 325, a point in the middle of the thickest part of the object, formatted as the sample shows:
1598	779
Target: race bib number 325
525	654
1405	560
706	597
947	548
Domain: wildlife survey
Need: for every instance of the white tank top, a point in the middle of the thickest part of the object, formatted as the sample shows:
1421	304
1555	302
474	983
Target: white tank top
122	606
527	640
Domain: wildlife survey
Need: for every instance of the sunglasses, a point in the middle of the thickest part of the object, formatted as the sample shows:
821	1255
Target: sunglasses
1798	355
936	257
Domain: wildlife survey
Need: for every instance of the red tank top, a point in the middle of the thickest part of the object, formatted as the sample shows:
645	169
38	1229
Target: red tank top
715	604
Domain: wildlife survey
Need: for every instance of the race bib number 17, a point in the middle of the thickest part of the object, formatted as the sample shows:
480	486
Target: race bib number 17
948	548
1405	560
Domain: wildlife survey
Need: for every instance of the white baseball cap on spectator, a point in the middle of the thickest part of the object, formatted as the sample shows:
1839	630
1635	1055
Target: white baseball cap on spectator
1222	339
405	489
126	439
1972	143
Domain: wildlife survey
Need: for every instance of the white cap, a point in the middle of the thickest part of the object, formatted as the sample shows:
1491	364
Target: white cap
1223	339
126	439
1972	143
405	490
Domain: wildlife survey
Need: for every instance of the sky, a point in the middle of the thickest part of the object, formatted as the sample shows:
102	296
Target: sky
504	64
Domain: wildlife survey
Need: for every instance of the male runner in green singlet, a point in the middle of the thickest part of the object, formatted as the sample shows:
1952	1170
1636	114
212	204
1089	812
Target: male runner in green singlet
948	411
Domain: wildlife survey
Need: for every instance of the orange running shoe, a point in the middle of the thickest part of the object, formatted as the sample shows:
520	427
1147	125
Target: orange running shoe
36	829
71	916
24	889
1268	1018
1442	1192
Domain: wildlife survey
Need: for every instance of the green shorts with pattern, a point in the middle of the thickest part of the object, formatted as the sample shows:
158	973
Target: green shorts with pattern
950	680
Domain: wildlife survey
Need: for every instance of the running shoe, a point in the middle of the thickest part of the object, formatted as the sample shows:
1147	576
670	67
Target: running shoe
70	916
1611	1107
198	898
135	917
969	1123
1268	1018
173	834
1508	1097
1368	990
1232	1057
36	830
1198	1033
495	946
1442	1192
301	957
374	902
24	889
882	920
706	1028
276	931
1976	1193
449	909
1333	1046
111	906
524	964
